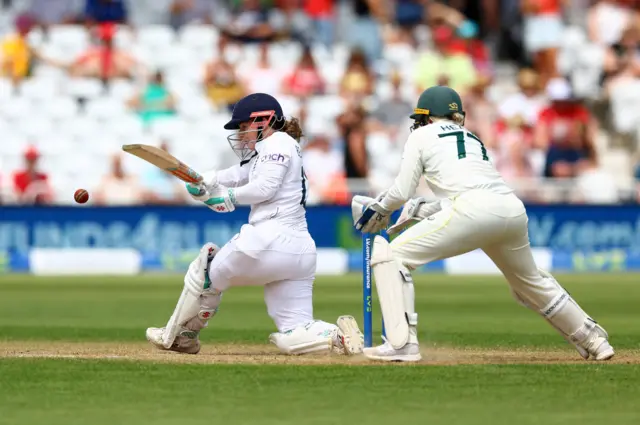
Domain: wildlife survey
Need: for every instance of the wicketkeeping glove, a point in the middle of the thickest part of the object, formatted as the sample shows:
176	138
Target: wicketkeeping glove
374	217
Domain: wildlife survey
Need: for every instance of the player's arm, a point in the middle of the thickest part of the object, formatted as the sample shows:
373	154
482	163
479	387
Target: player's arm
270	171
235	176
271	167
374	215
405	184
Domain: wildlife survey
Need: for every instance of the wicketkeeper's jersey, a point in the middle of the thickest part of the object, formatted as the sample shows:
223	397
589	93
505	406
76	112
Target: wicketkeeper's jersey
451	159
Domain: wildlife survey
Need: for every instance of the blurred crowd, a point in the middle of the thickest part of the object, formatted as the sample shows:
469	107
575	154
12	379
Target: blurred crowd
351	70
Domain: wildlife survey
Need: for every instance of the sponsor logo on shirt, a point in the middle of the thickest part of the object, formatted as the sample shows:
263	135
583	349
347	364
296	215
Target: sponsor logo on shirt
272	157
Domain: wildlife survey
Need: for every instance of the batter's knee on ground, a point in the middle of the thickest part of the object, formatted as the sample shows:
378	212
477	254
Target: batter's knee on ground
315	336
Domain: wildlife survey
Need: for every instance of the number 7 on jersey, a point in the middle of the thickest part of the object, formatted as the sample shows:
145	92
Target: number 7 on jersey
461	138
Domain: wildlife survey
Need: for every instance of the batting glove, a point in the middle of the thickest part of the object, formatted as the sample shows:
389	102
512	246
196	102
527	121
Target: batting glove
221	199
198	191
218	198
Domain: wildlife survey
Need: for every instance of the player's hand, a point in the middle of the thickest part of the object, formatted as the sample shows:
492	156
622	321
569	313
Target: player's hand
416	210
198	191
408	216
221	199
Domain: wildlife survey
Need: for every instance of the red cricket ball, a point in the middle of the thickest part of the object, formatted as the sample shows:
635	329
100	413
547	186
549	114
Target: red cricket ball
81	196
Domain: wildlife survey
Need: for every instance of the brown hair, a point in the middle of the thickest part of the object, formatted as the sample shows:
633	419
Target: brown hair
293	129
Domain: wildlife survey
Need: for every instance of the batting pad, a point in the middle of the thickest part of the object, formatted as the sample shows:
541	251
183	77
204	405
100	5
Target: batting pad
389	285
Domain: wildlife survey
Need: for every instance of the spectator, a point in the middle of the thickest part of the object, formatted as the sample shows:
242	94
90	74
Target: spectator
566	131
358	80
103	11
31	186
485	13
448	63
543	28
393	113
185	12
118	187
622	60
155	101
510	43
475	48
323	166
364	32
162	188
409	13
387	132
291	22
105	61
352	134
481	113
606	21
53	12
263	77
250	24
511	150
221	85
16	56
527	102
322	16
305	79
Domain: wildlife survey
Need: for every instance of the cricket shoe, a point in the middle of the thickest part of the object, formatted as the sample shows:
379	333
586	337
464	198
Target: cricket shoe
350	339
597	345
385	352
186	342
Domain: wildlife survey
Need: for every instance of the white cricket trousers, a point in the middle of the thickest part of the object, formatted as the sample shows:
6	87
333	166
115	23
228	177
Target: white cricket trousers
495	223
281	259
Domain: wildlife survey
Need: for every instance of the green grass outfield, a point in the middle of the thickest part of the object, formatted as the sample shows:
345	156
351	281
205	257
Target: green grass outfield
72	351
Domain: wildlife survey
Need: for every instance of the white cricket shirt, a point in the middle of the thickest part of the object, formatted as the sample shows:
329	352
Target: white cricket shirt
451	159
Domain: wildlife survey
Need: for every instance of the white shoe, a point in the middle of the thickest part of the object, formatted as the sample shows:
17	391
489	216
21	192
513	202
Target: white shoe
349	335
385	352
186	342
597	345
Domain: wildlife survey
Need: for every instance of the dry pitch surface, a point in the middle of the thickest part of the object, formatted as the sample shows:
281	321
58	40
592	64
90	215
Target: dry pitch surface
266	354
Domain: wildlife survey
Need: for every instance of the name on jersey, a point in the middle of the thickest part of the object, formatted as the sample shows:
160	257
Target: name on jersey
272	157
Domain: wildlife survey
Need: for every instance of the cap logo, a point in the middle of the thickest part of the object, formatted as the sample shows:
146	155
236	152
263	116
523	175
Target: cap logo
453	106
421	111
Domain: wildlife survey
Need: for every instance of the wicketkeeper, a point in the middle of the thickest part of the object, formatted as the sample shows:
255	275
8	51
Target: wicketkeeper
475	209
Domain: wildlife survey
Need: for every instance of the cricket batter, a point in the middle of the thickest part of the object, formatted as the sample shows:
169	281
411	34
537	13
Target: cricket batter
274	250
476	209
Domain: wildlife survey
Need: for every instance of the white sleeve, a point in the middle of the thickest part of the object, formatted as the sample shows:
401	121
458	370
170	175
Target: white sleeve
405	184
235	176
271	168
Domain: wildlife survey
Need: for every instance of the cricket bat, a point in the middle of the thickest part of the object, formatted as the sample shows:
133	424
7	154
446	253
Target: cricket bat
165	161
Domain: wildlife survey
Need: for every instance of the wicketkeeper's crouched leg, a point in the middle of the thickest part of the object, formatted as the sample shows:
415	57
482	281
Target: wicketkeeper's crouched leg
541	292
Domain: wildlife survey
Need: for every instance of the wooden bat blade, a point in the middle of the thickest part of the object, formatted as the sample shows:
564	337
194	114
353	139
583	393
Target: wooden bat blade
164	160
